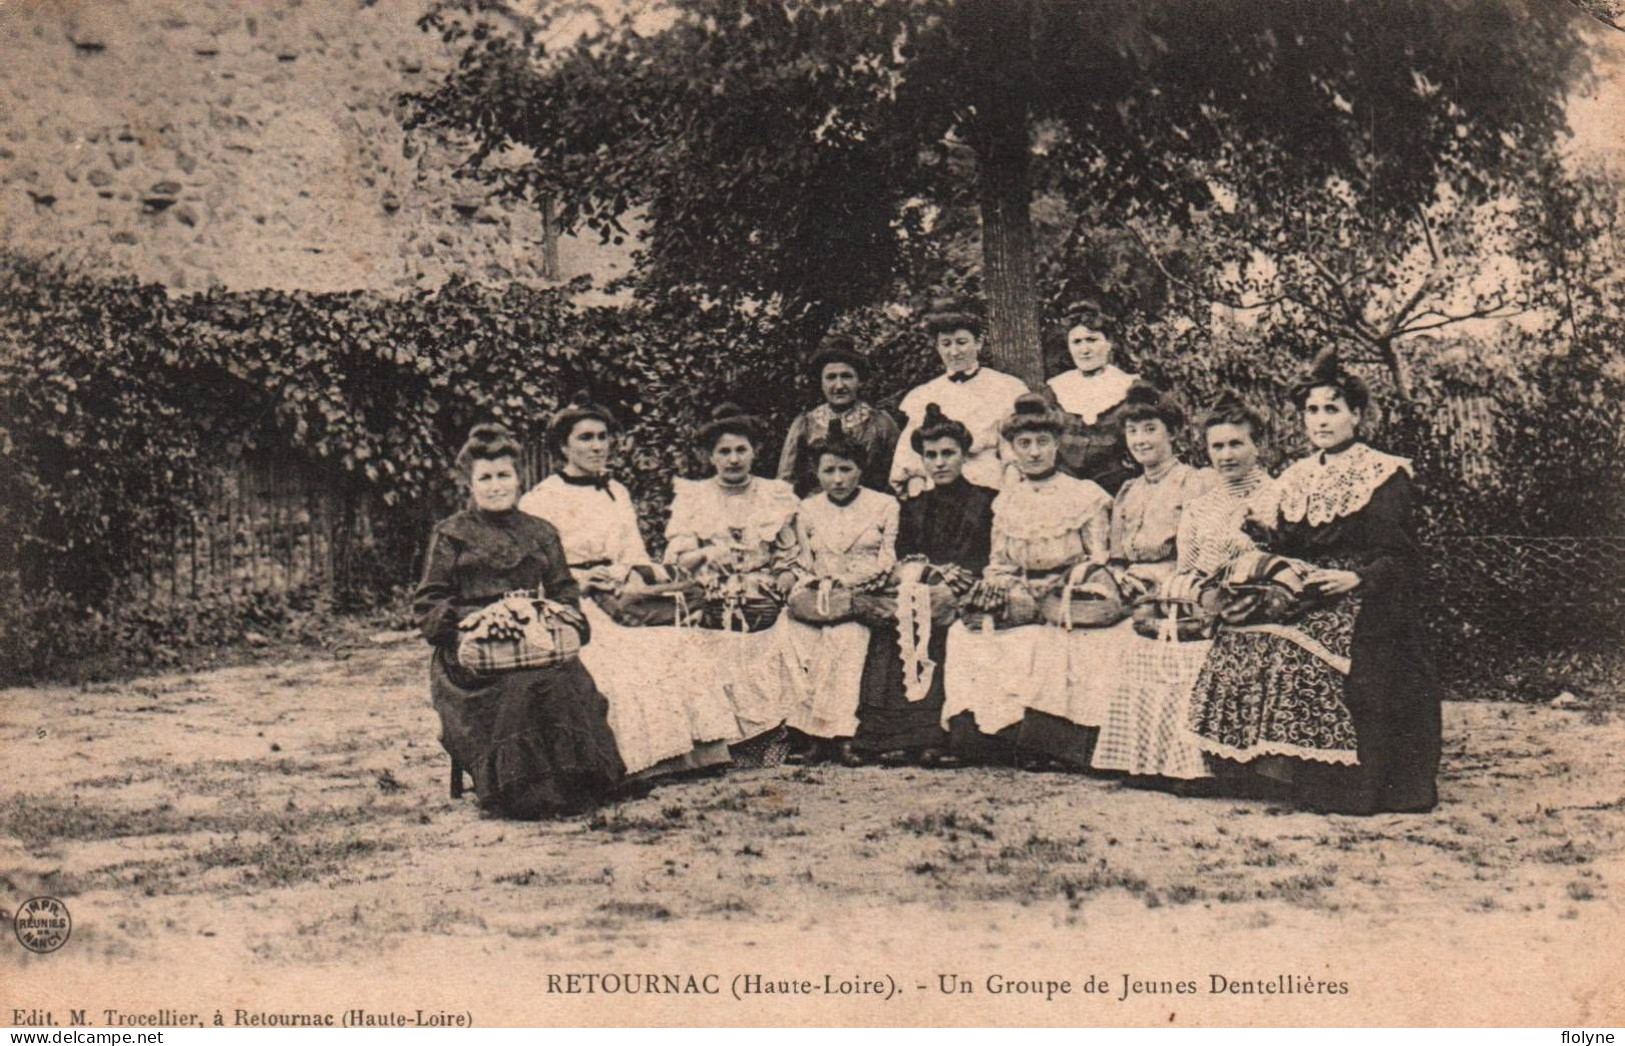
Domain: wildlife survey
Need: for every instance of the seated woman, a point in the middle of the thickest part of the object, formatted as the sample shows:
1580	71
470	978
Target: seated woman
847	536
976	395
948	530
1145	518
1092	393
685	722
736	533
1143	731
1146	514
1049	530
537	740
1347	688
841	372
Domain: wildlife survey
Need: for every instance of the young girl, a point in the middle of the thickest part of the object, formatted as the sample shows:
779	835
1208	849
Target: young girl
847	535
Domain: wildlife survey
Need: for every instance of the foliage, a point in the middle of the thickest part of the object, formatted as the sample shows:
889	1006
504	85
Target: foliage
801	153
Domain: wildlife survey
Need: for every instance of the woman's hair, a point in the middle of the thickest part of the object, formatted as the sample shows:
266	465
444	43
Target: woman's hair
948	315
487	441
1031	413
580	408
937	425
838	444
1228	408
838	348
1145	401
729	419
1327	373
1089	314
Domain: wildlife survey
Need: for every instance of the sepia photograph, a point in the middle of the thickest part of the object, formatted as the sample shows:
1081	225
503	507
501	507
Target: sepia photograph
812	513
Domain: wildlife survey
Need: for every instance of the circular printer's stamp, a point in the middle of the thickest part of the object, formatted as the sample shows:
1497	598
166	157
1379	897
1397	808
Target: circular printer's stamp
42	924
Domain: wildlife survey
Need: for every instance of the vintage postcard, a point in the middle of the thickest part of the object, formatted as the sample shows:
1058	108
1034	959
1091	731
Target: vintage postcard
762	513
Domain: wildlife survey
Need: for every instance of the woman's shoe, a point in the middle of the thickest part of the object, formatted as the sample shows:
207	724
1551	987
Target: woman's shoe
846	755
937	759
895	757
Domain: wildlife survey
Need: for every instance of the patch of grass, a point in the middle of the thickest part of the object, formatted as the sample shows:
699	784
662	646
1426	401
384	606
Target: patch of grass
287	861
1579	890
949	824
38	820
1568	853
636	909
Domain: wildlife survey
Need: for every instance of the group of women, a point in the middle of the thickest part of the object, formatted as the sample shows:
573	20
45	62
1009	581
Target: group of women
1028	578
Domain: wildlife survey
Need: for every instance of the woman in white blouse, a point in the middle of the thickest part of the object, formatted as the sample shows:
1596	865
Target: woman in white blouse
678	720
847	538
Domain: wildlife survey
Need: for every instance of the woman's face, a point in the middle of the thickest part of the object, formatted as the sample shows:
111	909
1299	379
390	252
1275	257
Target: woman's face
732	456
959	350
494	483
944	460
840	384
1232	450
1149	442
1328	419
586	448
837	476
1035	452
1091	350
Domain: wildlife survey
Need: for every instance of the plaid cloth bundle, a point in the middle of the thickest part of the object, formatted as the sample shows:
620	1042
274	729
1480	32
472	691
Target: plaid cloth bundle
520	630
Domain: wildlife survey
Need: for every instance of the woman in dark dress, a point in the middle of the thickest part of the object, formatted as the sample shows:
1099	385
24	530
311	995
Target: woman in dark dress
841	372
948	527
1348	688
536	740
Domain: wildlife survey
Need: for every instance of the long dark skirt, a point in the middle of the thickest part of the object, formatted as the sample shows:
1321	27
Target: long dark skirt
537	742
887	719
1050	736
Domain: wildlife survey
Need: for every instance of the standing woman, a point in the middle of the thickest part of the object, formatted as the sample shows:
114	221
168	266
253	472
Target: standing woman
684	723
1350	685
1093	391
949	529
841	372
537	740
978	396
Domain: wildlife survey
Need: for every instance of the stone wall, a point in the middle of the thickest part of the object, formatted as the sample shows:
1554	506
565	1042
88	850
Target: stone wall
247	144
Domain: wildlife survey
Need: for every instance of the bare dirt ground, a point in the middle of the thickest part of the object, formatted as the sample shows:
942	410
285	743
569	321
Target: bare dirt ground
280	838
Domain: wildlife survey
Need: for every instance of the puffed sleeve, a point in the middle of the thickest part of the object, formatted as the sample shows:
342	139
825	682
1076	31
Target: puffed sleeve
905	463
629	547
1185	541
1097	527
1001	566
887	557
682	530
911	528
801	564
1391	554
434	603
790	456
558	581
1116	540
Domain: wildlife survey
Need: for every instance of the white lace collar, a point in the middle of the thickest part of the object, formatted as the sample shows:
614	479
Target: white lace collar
1321	488
1090	396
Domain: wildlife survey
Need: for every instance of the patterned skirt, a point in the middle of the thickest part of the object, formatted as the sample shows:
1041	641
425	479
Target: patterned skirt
1277	690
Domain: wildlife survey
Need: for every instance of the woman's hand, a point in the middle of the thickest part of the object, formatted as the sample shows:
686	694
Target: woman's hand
692	561
1333	582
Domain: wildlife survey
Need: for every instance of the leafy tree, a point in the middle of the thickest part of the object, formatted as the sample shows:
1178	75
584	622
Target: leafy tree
798	153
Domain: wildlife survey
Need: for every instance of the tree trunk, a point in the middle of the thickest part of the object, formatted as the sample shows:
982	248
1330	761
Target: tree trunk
1003	87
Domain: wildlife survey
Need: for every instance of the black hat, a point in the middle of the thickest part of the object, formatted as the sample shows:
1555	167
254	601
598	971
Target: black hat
729	419
838	348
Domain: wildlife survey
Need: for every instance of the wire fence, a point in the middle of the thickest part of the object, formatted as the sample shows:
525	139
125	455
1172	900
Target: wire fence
1528	591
